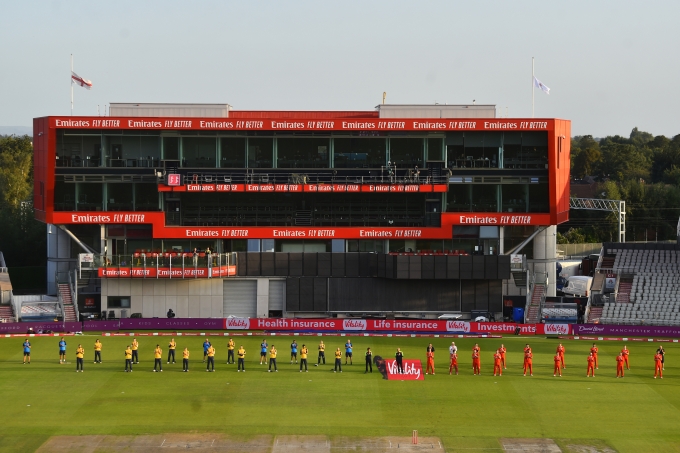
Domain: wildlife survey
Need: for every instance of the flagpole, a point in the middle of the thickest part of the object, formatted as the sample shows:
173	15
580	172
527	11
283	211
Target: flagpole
71	77
532	87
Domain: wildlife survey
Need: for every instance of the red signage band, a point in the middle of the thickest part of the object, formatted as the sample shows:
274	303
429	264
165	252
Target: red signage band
343	188
166	272
160	230
330	124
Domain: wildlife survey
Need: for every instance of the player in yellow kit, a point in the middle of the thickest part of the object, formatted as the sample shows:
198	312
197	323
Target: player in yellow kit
322	353
230	351
272	359
157	354
211	359
97	351
303	358
185	360
338	360
128	359
241	359
80	353
171	350
135	347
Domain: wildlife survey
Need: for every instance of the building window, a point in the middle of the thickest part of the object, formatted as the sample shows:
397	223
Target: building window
199	152
304	152
118	302
260	152
406	152
359	152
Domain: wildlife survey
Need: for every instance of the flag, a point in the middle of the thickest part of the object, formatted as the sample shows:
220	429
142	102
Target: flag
539	84
75	78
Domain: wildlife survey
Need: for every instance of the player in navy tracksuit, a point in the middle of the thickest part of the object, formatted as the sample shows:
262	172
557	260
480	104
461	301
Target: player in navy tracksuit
206	346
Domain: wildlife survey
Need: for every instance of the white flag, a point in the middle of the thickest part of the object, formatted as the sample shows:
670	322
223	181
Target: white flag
539	84
75	78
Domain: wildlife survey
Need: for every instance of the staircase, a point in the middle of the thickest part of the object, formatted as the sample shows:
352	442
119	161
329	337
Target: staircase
625	287
69	310
534	310
595	314
303	218
6	313
608	262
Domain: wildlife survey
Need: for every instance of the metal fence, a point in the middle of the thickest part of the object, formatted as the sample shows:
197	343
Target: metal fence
578	250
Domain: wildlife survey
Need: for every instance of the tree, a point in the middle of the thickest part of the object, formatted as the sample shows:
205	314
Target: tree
586	161
640	138
622	162
16	170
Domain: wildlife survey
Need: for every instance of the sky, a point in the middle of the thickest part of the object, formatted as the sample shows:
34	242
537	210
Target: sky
611	65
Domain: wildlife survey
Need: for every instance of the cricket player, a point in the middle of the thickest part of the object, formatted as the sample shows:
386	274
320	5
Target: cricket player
453	357
263	352
80	353
527	348
399	357
157	354
128	359
211	359
241	359
135	354
27	351
338	360
560	352
528	361
476	361
97	351
348	351
497	360
558	364
477	348
594	351
625	351
230	351
429	353
322	353
206	346
62	350
590	372
502	350
171	350
185	360
293	351
272	359
303	358
369	360
660	351
619	365
658	364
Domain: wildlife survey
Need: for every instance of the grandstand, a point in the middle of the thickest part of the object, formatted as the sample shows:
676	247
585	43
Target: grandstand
647	287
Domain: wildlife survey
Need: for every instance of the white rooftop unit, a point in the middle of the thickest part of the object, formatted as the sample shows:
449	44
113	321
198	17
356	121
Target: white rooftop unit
169	110
436	111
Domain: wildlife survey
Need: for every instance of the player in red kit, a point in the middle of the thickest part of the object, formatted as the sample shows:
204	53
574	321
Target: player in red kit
558	367
593	351
625	353
497	363
619	365
476	363
560	352
590	372
658	365
430	359
528	362
502	350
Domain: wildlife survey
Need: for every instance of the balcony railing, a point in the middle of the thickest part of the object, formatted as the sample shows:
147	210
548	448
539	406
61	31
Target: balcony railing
156	264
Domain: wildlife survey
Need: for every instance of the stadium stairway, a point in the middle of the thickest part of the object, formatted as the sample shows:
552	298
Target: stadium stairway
595	314
534	310
6	313
69	310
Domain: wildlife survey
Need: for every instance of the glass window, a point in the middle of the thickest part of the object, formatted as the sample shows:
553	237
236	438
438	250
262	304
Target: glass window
233	150
455	150
538	198
458	198
514	198
406	152
434	149
64	196
484	197
198	152
260	152
359	152
304	152
89	197
119	197
534	149
78	150
146	197
366	246
171	148
118	302
430	245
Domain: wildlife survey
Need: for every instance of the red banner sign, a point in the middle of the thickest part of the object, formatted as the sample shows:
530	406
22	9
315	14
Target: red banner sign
166	272
303	124
412	370
326	188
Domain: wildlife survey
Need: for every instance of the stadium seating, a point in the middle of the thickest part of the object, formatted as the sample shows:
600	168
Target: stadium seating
6	313
649	288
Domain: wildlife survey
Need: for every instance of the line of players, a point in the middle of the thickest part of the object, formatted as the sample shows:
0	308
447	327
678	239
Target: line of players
132	357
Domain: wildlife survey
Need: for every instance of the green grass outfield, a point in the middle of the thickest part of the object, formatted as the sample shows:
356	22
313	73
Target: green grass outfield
634	414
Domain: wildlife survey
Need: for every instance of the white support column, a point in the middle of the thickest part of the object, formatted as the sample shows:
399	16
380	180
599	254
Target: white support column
545	248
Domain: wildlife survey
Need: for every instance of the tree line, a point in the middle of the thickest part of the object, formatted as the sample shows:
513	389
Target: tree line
643	170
